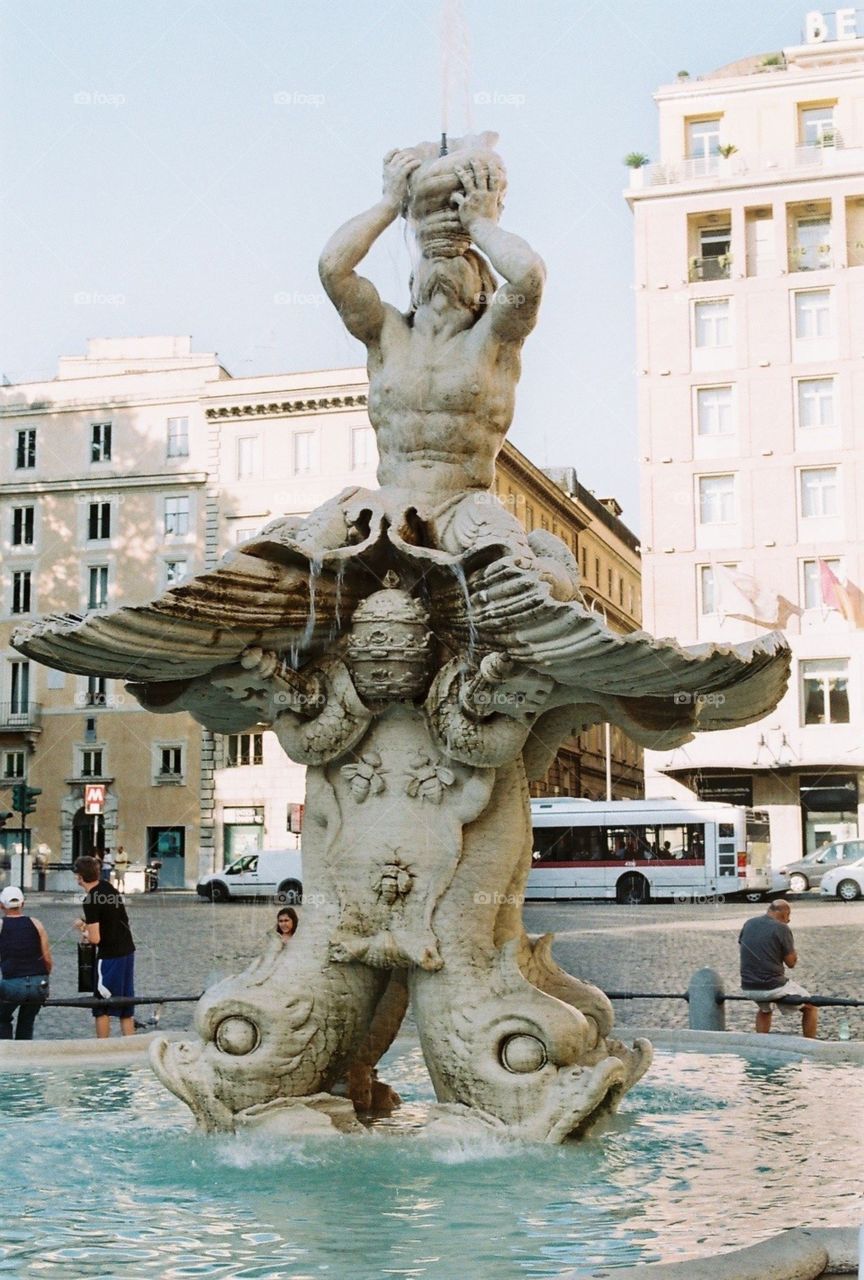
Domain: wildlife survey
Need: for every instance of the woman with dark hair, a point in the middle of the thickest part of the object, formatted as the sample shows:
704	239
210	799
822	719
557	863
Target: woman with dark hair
286	923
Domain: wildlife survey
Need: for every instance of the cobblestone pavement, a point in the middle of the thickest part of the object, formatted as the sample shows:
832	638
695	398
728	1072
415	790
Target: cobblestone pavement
183	943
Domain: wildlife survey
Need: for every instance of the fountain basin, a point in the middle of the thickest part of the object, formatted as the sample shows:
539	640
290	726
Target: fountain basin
706	1154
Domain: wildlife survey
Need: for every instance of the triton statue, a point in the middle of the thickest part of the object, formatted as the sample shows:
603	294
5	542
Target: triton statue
424	657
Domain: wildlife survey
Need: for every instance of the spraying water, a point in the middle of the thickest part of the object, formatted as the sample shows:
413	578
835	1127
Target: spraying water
455	71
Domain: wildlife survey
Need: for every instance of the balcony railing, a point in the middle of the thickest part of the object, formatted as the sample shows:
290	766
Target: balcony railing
17	715
810	257
718	267
811	157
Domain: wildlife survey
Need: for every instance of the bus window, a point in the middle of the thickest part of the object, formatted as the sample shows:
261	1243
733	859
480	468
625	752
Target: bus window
568	844
629	844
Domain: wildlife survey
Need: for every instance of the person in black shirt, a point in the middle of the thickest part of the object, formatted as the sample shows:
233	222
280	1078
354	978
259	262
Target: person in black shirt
25	962
106	924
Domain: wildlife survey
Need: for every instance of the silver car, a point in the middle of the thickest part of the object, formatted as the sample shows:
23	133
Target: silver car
808	871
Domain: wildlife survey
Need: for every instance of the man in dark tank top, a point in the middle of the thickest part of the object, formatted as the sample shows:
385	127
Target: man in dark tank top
25	962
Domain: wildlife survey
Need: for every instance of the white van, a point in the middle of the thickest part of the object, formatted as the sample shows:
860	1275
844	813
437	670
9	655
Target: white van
271	873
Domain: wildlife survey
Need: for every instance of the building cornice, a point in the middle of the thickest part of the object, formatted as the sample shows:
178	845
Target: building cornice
278	409
167	480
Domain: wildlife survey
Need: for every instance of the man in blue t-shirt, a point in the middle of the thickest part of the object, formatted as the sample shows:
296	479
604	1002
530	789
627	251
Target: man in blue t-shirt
767	950
106	924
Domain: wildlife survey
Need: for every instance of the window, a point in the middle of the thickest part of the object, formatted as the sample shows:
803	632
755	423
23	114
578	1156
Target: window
247	457
25	448
176	516
243	532
817	125
178	438
713	328
820	493
711	587
714	258
98	521
816	402
91	762
96	695
175	571
717	499
21	591
19	688
714	415
97	586
609	583
100	442
596	571
13	764
363	452
170	762
824	691
305	451
244	748
811	577
529	517
703	144
22	526
813	314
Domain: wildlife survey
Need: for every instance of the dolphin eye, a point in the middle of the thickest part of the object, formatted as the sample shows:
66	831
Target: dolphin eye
522	1054
236	1035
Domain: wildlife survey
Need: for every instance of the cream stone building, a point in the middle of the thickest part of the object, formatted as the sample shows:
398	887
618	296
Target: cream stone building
140	464
749	236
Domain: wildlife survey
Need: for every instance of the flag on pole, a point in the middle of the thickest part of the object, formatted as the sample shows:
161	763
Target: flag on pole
846	597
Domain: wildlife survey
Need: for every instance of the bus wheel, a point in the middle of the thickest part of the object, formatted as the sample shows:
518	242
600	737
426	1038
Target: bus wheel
632	890
754	895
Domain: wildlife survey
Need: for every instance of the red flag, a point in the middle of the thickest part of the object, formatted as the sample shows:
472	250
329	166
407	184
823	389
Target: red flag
828	584
844	596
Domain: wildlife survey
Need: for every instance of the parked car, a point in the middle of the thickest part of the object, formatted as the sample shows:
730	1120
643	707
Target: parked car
846	881
271	873
808	871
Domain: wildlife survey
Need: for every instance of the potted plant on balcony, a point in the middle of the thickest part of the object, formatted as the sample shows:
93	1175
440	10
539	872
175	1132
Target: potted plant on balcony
636	162
726	152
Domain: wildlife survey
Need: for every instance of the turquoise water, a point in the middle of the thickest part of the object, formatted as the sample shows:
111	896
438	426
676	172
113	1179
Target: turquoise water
102	1175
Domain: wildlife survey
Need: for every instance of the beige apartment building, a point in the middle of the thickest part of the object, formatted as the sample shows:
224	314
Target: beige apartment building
141	464
749	236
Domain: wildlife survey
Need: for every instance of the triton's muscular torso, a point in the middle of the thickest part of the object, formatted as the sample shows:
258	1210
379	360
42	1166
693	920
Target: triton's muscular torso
440	405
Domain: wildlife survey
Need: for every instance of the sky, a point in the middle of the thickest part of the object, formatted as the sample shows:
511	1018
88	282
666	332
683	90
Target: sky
175	166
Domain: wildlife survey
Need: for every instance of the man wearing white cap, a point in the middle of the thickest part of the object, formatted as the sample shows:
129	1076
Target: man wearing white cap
25	962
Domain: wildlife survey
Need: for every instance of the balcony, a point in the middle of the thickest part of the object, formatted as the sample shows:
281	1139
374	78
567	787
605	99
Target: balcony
810	257
801	161
718	267
17	717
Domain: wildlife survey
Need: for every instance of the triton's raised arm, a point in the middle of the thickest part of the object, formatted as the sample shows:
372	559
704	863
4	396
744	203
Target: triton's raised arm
513	312
356	299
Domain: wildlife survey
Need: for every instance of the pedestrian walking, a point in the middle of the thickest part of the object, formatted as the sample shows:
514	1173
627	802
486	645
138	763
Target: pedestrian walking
106	925
25	963
767	949
121	866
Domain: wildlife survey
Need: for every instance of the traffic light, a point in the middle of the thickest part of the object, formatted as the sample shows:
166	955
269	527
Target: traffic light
24	798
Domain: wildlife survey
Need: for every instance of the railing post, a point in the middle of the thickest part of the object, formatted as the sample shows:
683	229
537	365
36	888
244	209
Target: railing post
707	1013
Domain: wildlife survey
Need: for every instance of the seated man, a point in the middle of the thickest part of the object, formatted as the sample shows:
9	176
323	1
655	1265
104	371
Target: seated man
767	945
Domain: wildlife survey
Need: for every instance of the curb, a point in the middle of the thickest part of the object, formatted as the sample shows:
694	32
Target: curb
749	1042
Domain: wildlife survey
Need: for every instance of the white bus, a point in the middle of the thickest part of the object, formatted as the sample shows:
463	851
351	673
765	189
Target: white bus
636	850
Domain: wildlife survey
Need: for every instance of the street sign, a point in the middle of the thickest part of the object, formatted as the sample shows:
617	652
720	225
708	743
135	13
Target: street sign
94	797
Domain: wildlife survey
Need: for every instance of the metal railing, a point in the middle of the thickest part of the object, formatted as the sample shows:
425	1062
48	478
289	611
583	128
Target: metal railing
810	156
20	715
715	268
